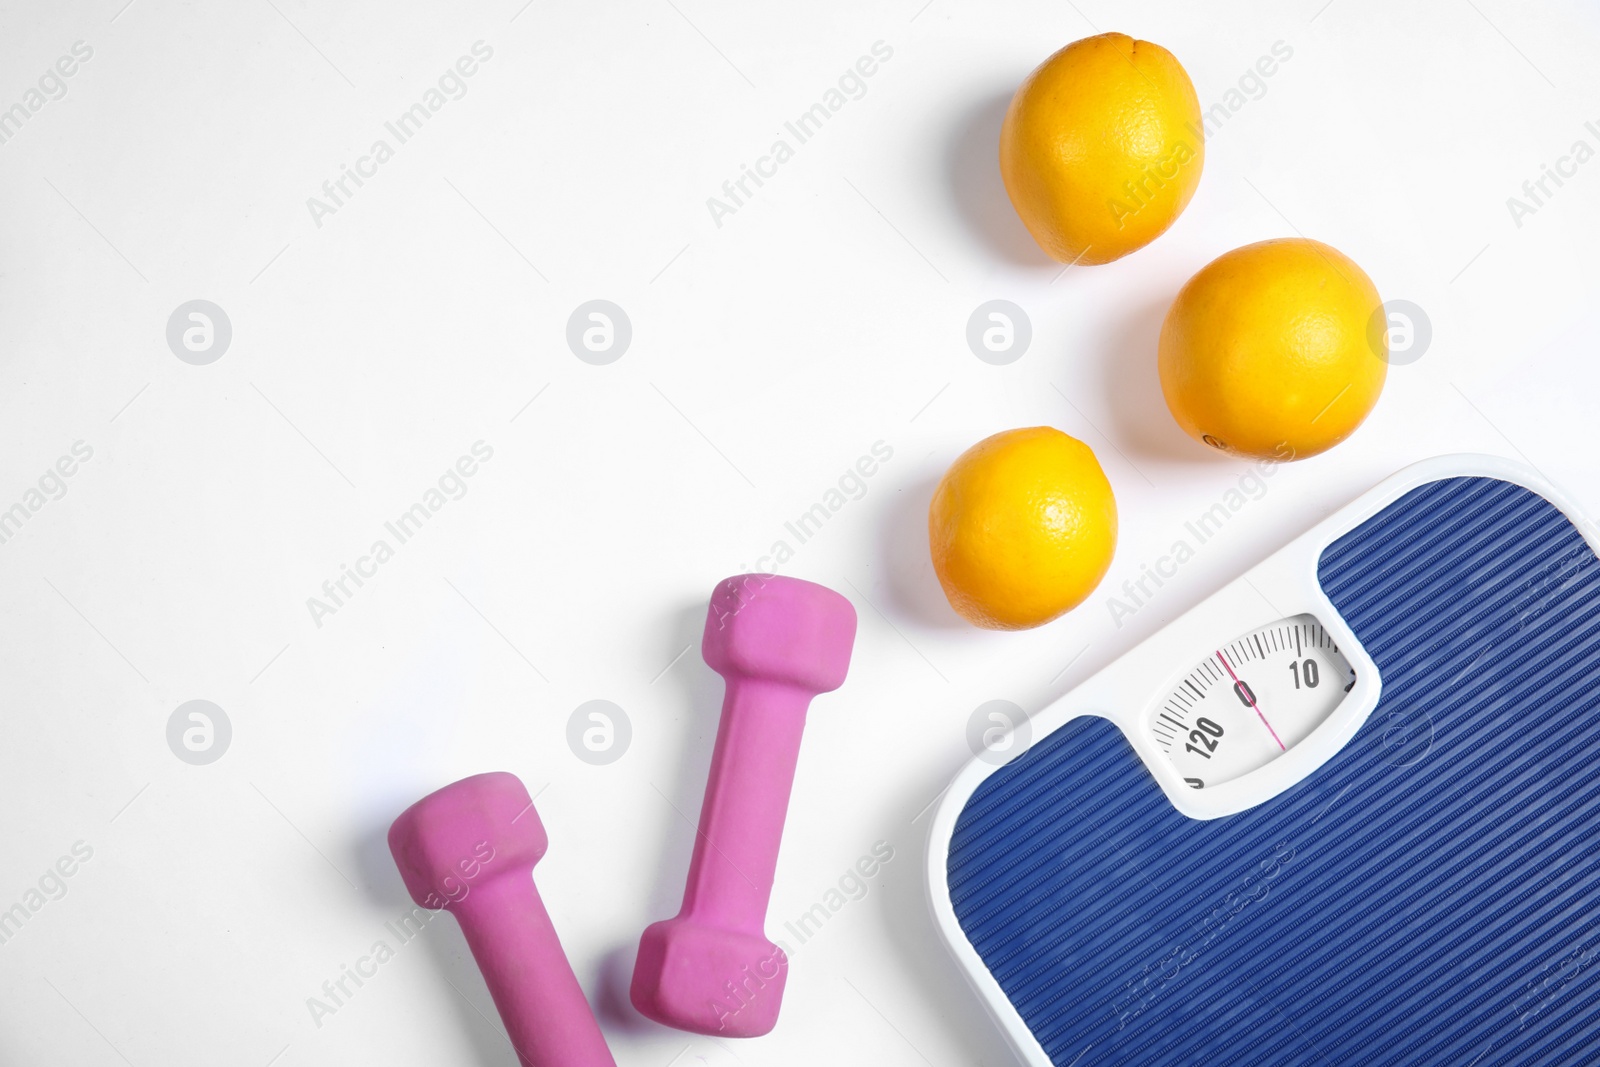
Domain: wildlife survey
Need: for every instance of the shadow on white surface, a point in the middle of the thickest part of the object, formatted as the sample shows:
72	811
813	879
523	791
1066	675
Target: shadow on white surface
1140	422
905	913
914	589
973	157
611	1002
697	690
380	879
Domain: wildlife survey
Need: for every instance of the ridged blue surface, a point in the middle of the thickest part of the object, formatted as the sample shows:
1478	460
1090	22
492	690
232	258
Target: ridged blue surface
1431	895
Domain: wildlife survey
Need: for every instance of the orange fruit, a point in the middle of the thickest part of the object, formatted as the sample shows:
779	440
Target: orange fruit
1266	351
1102	147
1022	528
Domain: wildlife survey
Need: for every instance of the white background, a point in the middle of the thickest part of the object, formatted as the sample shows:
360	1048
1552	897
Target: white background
828	313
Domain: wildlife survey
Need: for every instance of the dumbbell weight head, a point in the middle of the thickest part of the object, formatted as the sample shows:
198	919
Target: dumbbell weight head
784	630
439	843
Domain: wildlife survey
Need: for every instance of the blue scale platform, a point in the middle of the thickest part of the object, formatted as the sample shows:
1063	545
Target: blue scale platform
1430	895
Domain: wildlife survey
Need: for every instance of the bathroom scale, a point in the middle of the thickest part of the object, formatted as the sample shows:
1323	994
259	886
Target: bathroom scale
1344	811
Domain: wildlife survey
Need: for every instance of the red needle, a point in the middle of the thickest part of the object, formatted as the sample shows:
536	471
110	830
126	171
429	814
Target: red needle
1245	691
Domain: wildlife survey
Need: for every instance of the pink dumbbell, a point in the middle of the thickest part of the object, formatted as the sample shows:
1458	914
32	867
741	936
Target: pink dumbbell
470	849
777	642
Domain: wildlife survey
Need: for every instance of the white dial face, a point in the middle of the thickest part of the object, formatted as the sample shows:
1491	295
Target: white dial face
1251	700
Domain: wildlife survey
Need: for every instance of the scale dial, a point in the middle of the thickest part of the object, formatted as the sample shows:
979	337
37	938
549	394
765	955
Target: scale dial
1251	700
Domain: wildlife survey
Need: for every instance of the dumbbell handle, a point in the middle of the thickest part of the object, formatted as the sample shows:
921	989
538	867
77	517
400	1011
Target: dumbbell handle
746	800
534	989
